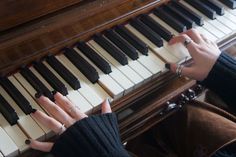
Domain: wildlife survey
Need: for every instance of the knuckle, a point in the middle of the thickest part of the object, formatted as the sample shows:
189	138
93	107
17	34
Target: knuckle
50	121
184	36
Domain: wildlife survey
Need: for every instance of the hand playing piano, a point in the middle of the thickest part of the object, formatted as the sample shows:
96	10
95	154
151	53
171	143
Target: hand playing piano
63	113
203	51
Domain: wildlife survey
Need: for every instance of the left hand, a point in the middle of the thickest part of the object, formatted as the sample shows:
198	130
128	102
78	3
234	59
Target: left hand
64	114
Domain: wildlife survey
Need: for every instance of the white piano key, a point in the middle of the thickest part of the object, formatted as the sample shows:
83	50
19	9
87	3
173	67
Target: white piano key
7	146
28	125
227	22
85	91
177	54
230	16
209	24
221	26
40	77
1	154
161	22
158	61
140	69
15	133
32	103
228	12
127	73
26	84
76	98
125	69
202	30
209	35
92	92
104	80
112	87
84	104
231	11
116	74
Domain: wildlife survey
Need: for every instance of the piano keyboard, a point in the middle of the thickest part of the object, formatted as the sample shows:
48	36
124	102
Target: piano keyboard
109	65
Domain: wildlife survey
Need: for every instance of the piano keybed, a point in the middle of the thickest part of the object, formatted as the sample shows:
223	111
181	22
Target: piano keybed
109	65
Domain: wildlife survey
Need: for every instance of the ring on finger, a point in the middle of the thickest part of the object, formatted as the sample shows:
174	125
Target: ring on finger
187	41
179	70
61	129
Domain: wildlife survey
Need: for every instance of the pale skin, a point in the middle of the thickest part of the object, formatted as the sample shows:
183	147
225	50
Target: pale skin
203	51
62	111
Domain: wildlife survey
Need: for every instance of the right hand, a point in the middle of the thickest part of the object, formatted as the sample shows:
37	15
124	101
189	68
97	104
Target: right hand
203	51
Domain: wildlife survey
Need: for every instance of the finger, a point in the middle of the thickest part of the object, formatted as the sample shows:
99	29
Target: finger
49	122
55	111
205	39
69	107
181	39
186	71
194	35
106	108
42	146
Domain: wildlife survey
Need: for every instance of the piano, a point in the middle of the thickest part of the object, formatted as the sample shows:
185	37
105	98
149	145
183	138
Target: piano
94	49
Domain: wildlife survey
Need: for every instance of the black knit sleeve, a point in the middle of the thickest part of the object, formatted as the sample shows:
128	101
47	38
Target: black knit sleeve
222	79
95	136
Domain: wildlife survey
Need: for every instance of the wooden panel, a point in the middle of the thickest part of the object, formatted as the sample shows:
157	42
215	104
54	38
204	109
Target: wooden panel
15	12
69	30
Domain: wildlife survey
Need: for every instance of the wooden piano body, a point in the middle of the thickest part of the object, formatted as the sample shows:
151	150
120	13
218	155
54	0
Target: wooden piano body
29	30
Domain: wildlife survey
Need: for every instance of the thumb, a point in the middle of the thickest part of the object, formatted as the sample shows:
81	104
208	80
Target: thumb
186	71
106	108
42	146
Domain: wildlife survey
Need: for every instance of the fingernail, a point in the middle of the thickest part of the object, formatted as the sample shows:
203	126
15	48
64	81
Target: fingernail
167	65
109	100
27	141
54	92
33	110
38	95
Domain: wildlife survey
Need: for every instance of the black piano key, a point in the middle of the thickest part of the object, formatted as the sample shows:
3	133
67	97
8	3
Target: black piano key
189	23
159	29
219	9
210	13
63	72
111	49
132	39
36	83
188	12
7	111
230	3
128	49
50	78
20	100
174	23
88	70
94	57
147	32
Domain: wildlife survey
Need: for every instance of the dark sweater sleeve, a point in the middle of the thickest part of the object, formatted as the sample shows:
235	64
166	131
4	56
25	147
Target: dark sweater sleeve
95	136
222	79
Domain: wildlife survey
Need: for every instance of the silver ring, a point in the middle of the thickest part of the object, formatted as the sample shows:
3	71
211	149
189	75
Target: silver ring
179	70
62	129
187	41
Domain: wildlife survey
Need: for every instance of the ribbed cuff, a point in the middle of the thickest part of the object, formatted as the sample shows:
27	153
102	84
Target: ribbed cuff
222	77
95	136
